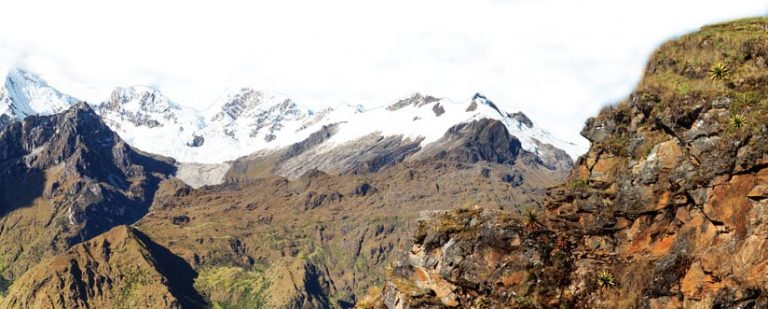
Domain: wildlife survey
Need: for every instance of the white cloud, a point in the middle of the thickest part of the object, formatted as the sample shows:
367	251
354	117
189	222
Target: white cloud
557	60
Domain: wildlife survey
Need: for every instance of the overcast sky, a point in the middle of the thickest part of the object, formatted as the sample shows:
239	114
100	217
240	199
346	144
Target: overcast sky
558	61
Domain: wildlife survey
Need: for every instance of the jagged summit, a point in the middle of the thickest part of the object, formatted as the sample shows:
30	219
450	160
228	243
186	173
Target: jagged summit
479	98
416	99
251	114
245	101
140	105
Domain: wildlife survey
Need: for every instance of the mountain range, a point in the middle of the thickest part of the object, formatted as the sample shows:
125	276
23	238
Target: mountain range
257	202
247	122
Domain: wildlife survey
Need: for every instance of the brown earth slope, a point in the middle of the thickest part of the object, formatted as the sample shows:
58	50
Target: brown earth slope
122	268
666	210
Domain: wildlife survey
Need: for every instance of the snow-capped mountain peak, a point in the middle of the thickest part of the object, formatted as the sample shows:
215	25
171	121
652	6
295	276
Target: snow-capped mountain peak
24	94
427	118
482	100
531	136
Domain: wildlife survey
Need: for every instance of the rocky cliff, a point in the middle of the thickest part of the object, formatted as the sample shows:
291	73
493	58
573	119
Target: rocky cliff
666	210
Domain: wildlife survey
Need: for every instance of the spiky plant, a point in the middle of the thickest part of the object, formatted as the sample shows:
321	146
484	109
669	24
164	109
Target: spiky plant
481	302
605	279
719	72
737	121
531	220
579	183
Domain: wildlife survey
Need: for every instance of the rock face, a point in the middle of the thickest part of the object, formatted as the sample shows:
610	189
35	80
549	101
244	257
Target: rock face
457	256
480	140
66	178
666	210
251	113
4	121
122	268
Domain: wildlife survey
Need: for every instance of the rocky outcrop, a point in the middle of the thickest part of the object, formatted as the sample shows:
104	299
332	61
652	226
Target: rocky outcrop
480	140
417	99
310	142
4	121
457	256
197	141
552	158
122	268
522	119
666	210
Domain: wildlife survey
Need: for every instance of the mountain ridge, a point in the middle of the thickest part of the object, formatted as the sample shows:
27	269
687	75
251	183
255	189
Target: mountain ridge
246	121
67	178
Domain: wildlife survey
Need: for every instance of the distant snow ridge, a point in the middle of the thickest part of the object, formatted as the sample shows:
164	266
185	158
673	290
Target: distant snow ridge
247	121
24	94
428	117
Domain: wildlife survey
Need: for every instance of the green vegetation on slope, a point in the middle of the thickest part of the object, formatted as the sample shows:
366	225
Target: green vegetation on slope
233	287
726	63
